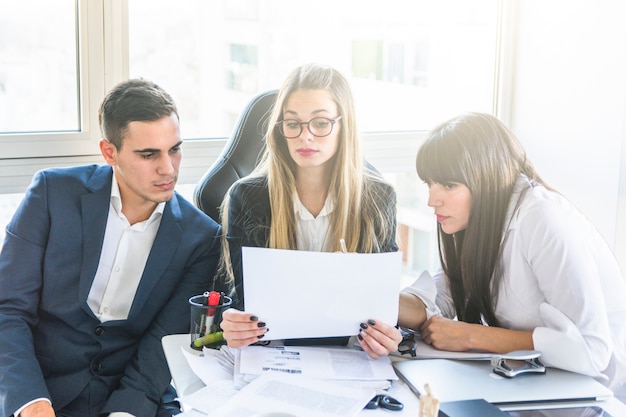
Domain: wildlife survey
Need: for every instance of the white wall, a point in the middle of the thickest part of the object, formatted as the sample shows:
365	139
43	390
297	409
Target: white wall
569	104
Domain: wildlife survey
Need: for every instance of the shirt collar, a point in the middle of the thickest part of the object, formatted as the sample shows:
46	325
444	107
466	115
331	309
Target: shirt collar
116	202
301	211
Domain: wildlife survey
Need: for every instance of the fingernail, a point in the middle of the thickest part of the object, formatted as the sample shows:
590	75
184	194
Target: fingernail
363	326
261	336
359	336
260	324
253	318
372	322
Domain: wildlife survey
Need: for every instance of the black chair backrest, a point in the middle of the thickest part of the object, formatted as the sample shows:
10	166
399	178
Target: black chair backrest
239	156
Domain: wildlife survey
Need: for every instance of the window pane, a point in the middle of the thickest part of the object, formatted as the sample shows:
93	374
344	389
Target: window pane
412	63
38	69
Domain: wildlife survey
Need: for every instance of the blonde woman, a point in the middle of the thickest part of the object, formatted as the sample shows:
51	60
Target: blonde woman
311	189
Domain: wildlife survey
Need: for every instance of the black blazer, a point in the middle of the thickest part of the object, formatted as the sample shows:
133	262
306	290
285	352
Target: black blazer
249	219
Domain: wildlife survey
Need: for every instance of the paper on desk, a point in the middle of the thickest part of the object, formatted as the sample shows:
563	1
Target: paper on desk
294	395
207	370
316	362
302	294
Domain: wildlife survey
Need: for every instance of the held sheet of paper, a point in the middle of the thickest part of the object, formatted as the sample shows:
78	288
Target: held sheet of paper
302	294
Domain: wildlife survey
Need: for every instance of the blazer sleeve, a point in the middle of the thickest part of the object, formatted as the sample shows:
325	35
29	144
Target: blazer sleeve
21	263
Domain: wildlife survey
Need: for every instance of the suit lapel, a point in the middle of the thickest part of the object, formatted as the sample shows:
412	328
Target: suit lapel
94	213
165	243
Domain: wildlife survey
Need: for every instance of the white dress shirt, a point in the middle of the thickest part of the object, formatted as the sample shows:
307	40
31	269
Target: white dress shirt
561	281
124	254
312	231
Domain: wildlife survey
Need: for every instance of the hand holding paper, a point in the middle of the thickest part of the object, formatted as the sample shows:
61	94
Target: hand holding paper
301	294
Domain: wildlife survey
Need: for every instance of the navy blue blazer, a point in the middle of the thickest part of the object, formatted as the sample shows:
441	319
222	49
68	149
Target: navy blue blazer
51	344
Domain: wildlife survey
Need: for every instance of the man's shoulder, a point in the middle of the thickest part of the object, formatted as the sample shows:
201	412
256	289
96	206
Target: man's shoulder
81	172
193	214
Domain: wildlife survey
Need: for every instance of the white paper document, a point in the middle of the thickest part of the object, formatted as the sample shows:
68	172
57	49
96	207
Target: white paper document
291	395
316	362
301	294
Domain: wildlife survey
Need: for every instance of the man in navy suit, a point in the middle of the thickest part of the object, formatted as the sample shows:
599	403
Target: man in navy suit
98	265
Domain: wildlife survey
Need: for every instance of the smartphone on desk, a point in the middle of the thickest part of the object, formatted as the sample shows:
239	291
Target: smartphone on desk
589	411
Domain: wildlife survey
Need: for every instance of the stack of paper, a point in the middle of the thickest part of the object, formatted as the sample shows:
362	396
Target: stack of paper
303	381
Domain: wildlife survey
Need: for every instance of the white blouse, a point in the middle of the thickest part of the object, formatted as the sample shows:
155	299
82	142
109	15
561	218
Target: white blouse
312	231
561	281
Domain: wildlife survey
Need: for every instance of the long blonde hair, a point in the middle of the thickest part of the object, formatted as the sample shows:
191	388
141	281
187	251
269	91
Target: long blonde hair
359	216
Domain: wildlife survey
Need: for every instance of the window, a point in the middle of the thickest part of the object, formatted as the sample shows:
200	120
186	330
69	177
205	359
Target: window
48	50
38	70
412	63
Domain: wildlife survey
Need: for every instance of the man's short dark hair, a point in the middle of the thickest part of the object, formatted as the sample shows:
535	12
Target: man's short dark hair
131	101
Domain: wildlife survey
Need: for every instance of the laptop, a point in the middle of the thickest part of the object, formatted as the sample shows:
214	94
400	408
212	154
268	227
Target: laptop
456	380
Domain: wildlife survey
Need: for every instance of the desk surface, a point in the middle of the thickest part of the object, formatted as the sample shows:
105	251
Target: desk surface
186	382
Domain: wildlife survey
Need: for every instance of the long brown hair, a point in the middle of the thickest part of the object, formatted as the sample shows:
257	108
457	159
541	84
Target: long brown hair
479	151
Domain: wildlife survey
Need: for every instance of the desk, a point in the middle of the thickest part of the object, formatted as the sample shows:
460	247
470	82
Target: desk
186	382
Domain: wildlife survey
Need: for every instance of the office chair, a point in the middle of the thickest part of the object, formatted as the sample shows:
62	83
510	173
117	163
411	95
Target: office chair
239	156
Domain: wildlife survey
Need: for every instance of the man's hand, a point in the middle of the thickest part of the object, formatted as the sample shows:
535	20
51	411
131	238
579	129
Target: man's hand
38	409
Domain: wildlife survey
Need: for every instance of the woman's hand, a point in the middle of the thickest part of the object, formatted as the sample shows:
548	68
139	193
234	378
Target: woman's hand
241	329
378	339
446	334
458	336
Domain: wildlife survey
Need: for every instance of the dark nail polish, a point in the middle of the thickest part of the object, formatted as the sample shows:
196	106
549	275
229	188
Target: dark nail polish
261	336
359	336
372	322
363	326
260	324
253	318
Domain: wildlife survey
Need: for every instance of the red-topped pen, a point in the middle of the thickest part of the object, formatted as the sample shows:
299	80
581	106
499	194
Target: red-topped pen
214	301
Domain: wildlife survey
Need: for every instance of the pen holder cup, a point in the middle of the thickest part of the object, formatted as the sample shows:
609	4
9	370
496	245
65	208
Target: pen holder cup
205	320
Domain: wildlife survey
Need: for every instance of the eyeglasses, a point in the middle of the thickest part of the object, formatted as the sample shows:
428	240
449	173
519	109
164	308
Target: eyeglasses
319	127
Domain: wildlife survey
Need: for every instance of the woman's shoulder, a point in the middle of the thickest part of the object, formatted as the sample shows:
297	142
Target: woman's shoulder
249	184
379	185
550	212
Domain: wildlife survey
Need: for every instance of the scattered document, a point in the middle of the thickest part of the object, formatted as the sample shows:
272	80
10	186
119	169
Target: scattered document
301	294
208	370
316	362
292	395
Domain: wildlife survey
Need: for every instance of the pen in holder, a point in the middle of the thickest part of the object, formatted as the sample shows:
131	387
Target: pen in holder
206	316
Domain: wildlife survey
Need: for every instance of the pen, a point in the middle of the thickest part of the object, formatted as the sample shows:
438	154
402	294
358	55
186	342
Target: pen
214	300
343	245
208	339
